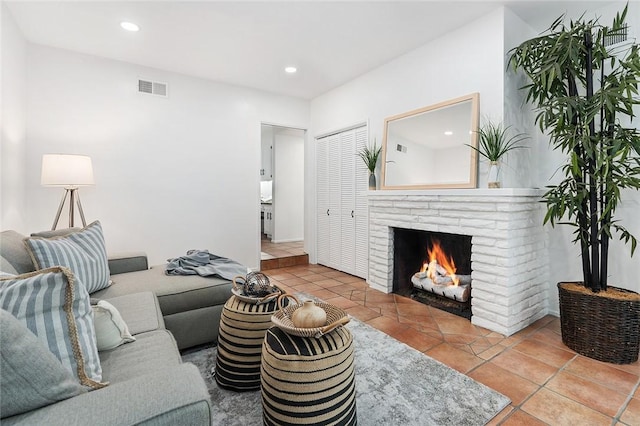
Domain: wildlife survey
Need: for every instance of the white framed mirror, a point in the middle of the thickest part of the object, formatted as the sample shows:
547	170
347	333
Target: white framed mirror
429	147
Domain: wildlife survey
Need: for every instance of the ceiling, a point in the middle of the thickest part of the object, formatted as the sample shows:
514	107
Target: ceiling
249	43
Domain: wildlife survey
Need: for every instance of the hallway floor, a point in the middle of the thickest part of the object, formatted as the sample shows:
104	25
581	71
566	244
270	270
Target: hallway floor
547	383
281	255
273	250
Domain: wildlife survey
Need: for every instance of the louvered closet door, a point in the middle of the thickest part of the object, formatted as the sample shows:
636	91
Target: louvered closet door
342	213
347	201
361	267
322	191
335	191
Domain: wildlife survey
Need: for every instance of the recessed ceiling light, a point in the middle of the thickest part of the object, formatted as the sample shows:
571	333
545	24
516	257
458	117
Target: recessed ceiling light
129	26
291	70
448	133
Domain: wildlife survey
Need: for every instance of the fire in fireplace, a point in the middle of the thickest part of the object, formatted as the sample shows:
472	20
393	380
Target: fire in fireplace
438	275
434	268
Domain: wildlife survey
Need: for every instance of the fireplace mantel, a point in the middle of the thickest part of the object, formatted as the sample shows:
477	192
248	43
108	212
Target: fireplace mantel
474	192
509	246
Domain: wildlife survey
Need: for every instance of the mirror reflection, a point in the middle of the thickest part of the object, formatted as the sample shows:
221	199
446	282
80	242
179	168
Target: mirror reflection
427	148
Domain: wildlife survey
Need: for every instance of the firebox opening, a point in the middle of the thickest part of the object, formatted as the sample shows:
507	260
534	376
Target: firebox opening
411	255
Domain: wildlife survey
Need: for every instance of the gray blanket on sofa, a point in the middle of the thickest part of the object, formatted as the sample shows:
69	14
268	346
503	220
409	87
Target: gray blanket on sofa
203	263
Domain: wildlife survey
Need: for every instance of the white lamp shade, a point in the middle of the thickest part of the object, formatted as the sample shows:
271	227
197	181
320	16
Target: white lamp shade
66	170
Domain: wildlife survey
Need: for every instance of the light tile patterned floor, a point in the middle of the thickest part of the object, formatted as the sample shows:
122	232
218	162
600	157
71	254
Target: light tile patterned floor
548	383
275	250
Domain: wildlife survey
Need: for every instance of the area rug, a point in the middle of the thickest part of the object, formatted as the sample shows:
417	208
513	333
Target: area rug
395	385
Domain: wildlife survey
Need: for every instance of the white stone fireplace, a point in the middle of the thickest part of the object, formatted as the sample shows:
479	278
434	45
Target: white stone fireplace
508	246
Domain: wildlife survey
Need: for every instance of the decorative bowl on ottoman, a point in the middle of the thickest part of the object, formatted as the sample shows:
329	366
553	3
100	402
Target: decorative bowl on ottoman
255	288
335	317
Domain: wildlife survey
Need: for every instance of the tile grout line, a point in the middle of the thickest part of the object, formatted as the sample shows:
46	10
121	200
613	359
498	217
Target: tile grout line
510	347
625	404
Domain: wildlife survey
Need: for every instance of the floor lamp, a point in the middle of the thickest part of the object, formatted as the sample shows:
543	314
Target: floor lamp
70	172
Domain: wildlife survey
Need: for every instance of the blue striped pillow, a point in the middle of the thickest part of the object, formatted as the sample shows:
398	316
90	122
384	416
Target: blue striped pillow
83	252
55	306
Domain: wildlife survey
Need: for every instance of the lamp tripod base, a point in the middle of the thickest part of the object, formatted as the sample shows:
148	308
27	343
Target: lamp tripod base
74	199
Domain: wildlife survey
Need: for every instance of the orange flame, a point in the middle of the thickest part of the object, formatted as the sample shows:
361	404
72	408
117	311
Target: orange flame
438	257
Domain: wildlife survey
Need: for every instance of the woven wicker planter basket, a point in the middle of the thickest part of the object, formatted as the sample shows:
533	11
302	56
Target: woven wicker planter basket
598	327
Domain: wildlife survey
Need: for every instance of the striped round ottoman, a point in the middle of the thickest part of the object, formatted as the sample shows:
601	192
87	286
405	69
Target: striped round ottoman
242	329
308	381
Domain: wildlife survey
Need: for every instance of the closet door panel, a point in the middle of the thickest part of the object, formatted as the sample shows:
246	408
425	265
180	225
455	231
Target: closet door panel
335	198
347	198
323	210
361	225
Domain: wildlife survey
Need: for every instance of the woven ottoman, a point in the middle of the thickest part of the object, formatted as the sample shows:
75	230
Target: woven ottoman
308	381
242	329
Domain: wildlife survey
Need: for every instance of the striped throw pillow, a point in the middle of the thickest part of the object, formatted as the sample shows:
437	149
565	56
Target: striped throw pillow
55	306
83	252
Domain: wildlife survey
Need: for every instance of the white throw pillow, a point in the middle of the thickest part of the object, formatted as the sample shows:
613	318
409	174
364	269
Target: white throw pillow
111	330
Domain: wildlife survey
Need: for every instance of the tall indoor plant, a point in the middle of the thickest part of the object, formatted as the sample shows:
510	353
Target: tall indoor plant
370	157
584	87
493	143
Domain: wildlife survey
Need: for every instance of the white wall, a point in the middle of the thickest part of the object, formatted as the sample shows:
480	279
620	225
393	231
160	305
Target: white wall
544	170
462	62
521	168
288	187
13	72
171	174
266	134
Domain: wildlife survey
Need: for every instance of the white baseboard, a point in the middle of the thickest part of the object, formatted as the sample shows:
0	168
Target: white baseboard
292	240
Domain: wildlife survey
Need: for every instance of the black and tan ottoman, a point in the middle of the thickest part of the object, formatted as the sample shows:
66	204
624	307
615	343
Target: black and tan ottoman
242	329
308	380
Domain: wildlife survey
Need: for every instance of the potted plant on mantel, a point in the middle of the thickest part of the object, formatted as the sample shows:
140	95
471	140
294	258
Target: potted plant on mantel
493	145
584	89
370	157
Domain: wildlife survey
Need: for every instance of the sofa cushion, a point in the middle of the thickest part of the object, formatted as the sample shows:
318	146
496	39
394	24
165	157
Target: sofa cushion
151	352
176	293
171	396
140	311
14	252
54	305
31	376
111	330
83	252
119	263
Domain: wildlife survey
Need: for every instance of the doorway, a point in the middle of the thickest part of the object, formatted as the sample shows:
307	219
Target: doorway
282	197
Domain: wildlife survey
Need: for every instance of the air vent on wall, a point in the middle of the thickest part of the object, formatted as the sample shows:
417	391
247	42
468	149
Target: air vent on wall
618	42
153	88
616	37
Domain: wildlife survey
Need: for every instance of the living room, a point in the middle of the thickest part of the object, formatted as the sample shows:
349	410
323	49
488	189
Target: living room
178	173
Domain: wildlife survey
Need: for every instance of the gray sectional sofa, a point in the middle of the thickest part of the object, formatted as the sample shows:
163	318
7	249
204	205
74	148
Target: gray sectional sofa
148	383
191	305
